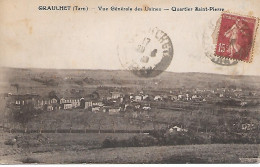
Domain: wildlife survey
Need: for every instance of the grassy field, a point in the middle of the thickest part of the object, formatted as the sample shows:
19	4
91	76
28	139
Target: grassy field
85	148
84	120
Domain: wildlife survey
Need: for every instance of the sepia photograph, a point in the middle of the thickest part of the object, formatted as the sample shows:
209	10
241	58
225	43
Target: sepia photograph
129	82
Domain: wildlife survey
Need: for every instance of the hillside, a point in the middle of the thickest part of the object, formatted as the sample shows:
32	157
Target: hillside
44	80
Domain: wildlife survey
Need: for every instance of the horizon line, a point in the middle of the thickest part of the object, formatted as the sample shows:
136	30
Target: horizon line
82	69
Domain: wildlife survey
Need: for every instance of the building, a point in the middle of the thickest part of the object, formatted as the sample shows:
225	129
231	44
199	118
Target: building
243	103
113	111
173	97
146	97
67	106
95	109
53	100
74	101
180	97
146	108
157	98
49	108
247	126
88	104
138	98
62	100
115	95
97	103
178	129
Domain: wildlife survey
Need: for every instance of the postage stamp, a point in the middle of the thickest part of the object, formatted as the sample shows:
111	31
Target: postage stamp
209	41
236	37
147	53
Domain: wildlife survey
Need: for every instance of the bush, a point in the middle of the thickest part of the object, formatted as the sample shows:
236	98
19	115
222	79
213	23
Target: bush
245	138
184	138
135	141
9	142
29	160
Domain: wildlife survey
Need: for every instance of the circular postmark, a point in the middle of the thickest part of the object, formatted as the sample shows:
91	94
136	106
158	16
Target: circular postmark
209	42
147	53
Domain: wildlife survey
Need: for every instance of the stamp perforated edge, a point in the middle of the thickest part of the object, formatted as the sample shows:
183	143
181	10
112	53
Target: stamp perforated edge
251	53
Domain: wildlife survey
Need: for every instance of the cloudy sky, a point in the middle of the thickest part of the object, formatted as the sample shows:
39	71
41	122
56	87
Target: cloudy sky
30	38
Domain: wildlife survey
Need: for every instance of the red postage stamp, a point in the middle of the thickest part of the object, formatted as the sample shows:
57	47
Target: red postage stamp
236	37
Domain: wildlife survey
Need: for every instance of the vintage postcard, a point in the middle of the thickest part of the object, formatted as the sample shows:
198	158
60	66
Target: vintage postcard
129	82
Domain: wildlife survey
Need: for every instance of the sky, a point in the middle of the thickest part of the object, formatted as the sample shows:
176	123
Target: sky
30	38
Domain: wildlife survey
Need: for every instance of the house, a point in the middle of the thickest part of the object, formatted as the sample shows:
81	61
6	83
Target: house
75	103
97	103
137	106
180	97
115	95
243	103
67	106
62	100
146	97
173	97
134	115
178	129
131	96
88	104
121	99
95	109
194	97
146	108
56	106
53	100
247	126
138	98
20	100
113	111
157	98
49	108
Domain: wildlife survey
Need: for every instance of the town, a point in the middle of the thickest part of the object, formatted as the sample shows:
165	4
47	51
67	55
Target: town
46	112
137	103
118	101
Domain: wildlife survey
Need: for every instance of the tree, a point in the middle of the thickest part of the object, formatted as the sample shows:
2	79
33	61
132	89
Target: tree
52	94
100	125
56	124
141	123
205	122
86	124
100	121
25	114
114	121
16	85
153	120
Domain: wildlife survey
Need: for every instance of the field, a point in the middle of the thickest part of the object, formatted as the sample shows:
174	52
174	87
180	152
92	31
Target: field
85	148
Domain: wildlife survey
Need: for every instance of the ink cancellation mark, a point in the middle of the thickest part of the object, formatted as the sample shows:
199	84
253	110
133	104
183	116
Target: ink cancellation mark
147	53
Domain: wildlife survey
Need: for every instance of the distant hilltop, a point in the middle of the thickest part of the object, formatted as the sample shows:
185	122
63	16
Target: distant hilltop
120	78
